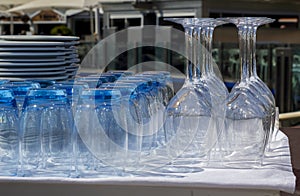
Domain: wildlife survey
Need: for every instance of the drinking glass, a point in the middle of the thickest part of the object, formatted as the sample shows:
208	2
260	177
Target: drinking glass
143	120
20	90
9	133
247	112
121	73
262	88
73	91
44	83
189	110
107	77
99	132
130	122
46	134
111	123
164	83
143	105
2	81
94	82
112	76
140	137
208	74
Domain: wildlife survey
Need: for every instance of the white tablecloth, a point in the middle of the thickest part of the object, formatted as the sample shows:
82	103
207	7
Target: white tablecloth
276	174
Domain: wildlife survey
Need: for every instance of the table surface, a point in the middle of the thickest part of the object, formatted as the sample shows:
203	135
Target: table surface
31	188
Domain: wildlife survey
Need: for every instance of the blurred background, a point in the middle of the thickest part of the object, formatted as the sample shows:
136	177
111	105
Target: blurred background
278	44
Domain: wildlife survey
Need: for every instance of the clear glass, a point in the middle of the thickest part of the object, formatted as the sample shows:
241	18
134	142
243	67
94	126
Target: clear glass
209	75
95	107
92	82
120	114
189	110
156	93
73	91
121	73
142	108
46	134
141	126
165	83
130	123
9	133
107	77
20	90
2	81
43	83
264	91
247	112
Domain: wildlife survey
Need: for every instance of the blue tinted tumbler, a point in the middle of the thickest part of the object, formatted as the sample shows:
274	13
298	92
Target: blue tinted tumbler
46	134
9	133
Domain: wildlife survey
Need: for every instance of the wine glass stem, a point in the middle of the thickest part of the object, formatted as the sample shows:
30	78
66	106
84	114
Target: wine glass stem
195	54
209	37
244	46
189	52
204	51
198	52
253	50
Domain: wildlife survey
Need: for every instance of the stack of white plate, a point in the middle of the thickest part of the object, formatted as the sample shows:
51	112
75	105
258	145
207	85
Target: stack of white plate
38	57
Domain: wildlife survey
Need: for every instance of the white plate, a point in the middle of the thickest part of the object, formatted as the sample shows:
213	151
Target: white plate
29	60
71	52
4	43
71	70
32	54
71	44
74	50
25	49
38	38
29	64
31	73
73	65
70	76
46	78
71	56
34	69
73	60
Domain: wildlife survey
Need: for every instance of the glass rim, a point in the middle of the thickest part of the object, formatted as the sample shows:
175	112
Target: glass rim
253	21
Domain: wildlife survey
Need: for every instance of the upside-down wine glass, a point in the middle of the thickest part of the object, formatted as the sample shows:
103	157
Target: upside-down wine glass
212	78
190	109
247	112
263	89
